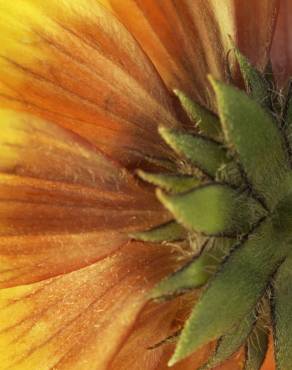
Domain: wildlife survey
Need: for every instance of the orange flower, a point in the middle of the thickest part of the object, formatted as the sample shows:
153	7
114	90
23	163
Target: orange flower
83	88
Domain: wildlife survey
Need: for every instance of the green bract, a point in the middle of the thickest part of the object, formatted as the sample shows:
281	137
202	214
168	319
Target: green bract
236	197
207	122
228	344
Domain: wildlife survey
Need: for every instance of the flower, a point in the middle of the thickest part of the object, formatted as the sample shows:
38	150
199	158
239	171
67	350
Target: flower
82	95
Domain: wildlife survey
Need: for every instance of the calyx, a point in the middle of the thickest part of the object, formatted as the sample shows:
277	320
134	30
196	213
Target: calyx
233	195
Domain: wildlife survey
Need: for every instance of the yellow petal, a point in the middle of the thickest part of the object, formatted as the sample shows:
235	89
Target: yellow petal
78	320
281	47
73	63
63	205
187	39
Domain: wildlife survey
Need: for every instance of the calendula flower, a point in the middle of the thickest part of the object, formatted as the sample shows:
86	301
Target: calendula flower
97	96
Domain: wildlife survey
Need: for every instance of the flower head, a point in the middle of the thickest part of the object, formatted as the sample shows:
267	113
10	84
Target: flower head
97	96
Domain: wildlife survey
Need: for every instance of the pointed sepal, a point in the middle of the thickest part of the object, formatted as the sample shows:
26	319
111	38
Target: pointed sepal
257	346
194	274
254	135
203	153
169	182
234	291
282	315
207	122
169	232
255	82
231	342
213	209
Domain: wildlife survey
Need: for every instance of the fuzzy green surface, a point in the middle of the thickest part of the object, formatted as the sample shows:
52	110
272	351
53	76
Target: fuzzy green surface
243	193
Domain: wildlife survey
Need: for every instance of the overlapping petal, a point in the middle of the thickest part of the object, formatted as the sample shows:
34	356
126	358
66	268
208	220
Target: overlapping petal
187	39
65	208
153	325
81	319
156	323
73	63
63	204
282	43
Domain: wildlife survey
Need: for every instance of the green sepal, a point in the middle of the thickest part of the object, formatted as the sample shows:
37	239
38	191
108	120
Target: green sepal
169	182
234	291
169	232
231	342
207	122
205	154
194	274
257	346
213	209
255	82
254	135
282	315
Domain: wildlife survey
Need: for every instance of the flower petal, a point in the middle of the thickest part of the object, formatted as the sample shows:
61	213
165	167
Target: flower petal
73	63
158	322
63	205
81	319
269	363
153	326
187	39
255	25
282	43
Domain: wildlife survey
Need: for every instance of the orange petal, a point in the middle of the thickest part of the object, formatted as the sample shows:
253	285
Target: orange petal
63	205
81	319
153	326
73	63
255	25
187	39
269	363
282	43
